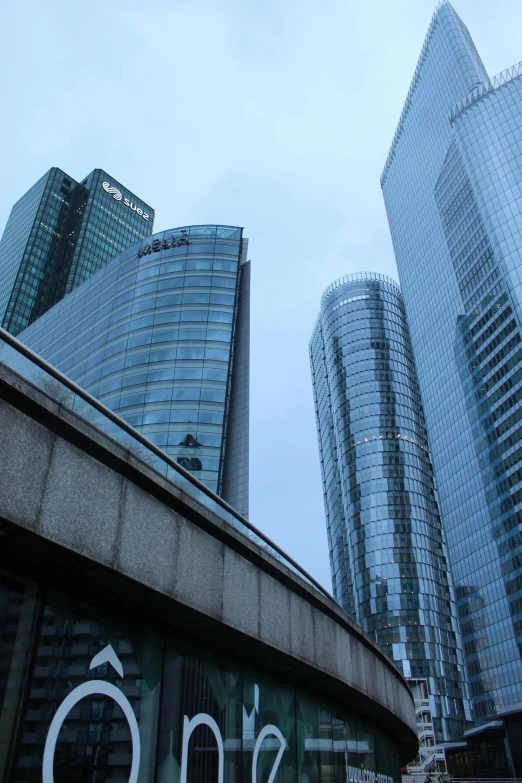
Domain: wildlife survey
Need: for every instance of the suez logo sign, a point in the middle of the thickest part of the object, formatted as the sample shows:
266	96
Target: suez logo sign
102	688
115	193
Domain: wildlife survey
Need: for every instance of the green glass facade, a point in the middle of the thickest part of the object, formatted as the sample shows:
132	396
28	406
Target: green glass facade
58	234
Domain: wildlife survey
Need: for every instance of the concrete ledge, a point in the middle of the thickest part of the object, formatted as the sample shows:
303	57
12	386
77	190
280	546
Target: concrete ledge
74	490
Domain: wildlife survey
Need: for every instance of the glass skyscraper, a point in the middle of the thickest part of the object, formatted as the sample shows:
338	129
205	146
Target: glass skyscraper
452	184
58	234
160	335
387	552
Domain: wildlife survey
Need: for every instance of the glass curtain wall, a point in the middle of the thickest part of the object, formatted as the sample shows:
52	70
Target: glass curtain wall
386	542
29	243
452	185
151	335
59	234
105	226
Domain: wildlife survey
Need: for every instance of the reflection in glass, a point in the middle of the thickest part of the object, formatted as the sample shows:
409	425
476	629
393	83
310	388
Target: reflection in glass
386	544
17	618
196	711
95	741
195	683
123	329
315	757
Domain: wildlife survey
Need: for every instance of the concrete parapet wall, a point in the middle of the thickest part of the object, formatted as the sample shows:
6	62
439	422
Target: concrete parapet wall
66	486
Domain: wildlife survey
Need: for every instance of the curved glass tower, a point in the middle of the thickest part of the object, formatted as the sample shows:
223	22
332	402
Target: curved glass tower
387	551
452	184
160	335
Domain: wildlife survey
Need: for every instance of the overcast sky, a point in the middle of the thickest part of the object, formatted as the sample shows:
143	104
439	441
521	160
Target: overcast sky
275	115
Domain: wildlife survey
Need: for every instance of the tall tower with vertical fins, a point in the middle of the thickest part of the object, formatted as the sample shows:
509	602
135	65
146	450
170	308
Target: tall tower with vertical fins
452	185
387	551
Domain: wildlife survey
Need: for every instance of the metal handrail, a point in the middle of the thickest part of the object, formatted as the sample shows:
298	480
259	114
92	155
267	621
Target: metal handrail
33	357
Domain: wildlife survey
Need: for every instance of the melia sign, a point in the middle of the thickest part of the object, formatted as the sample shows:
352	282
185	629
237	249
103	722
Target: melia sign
117	196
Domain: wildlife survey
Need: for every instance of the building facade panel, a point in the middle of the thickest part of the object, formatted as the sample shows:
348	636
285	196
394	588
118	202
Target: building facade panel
151	335
336	526
13	244
455	227
108	223
30	239
489	135
373	435
236	469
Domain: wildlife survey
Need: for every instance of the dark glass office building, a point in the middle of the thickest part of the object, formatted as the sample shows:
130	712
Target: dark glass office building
58	234
160	335
452	184
387	551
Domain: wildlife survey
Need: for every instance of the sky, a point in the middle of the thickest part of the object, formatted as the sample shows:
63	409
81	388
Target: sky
275	115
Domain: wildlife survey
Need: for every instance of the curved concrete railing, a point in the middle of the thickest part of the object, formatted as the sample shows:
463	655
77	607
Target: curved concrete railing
39	371
69	491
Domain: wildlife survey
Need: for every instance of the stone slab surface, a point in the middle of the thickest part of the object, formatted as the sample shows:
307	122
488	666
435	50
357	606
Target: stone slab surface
25	449
241	594
302	635
148	541
325	648
199	570
81	503
275	613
